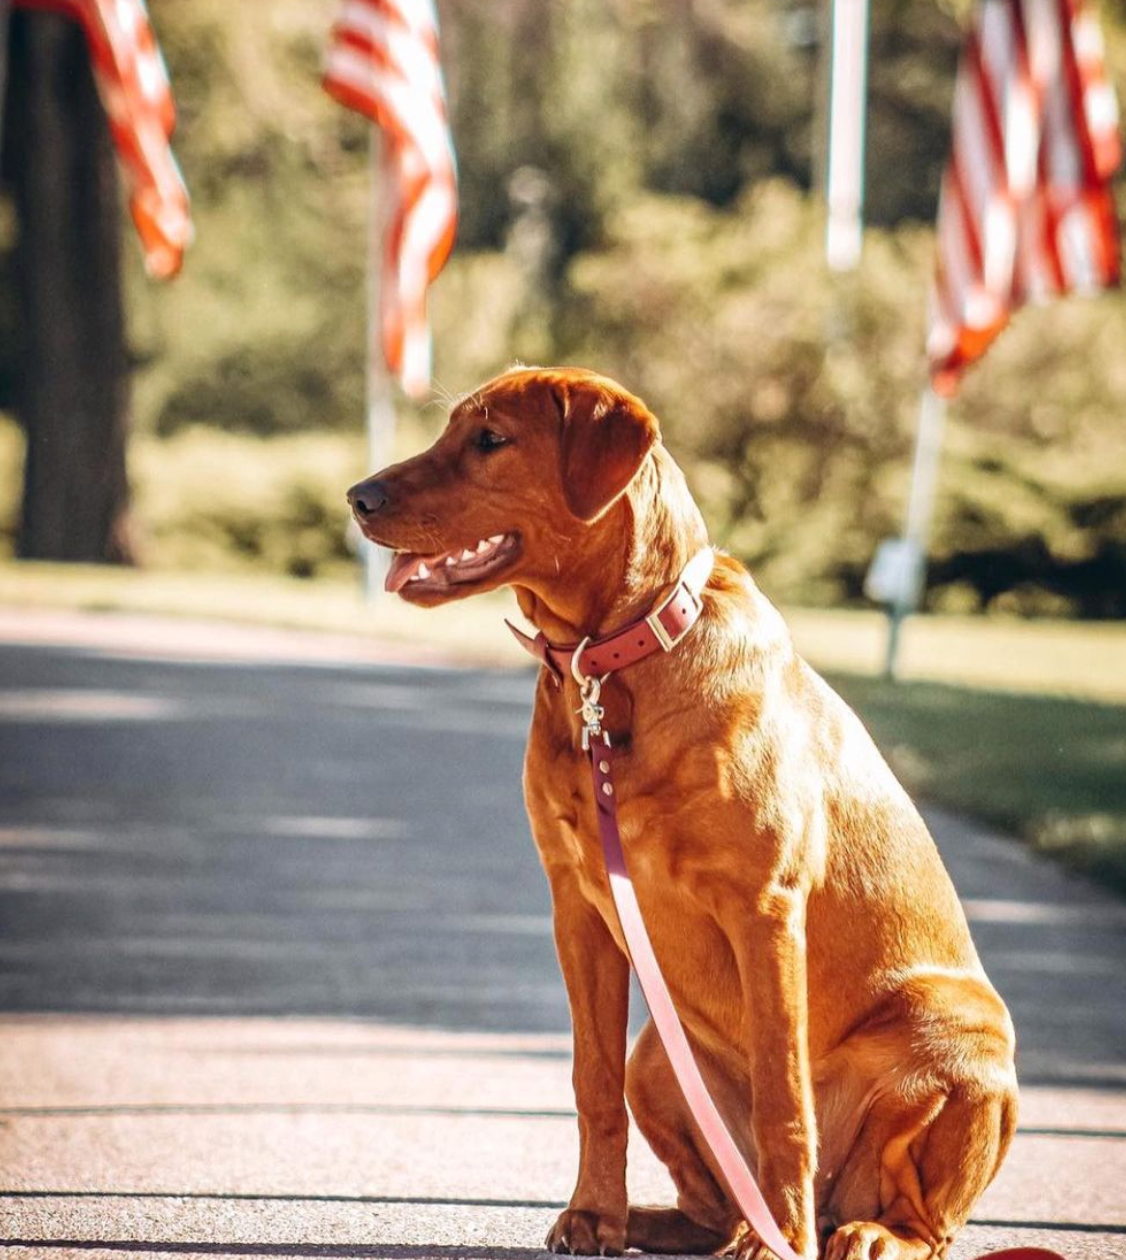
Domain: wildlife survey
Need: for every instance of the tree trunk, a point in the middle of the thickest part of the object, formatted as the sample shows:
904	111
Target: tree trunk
72	388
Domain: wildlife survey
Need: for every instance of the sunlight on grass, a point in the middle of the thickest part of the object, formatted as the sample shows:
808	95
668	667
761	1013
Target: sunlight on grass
1056	657
1086	659
472	630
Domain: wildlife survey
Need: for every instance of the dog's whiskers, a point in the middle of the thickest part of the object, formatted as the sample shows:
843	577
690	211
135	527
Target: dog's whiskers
446	396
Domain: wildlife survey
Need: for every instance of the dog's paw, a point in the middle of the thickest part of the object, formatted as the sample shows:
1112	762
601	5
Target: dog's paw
579	1233
747	1245
866	1240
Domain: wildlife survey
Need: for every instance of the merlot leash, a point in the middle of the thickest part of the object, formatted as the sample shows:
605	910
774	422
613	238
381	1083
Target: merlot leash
740	1180
667	625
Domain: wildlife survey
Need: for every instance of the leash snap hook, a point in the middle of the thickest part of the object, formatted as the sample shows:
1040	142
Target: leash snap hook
590	691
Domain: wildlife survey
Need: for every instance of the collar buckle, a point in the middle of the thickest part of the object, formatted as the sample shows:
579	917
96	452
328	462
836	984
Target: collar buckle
654	622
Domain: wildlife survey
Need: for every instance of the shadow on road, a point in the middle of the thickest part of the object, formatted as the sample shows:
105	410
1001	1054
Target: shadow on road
203	839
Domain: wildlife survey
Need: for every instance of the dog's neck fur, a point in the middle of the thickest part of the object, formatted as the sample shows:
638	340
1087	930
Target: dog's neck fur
654	529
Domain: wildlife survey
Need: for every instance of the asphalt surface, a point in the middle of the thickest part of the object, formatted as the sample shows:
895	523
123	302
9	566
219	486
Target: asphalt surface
276	973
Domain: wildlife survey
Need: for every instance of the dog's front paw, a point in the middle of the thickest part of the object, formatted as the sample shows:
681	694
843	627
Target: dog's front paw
747	1245
580	1233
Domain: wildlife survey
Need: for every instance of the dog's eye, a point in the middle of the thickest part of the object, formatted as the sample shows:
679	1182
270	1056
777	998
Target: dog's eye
489	440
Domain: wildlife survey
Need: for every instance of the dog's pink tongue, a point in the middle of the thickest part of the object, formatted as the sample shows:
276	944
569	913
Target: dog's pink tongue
402	569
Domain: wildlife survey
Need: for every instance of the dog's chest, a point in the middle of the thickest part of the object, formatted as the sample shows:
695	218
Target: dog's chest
684	933
670	869
564	817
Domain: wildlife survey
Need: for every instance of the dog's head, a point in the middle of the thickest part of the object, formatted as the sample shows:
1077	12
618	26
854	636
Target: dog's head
517	489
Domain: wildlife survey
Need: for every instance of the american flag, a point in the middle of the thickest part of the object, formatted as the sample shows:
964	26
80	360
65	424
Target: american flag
1026	212
383	61
133	86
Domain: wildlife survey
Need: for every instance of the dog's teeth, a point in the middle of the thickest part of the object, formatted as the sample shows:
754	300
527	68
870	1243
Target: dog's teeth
483	545
423	570
450	560
496	538
468	555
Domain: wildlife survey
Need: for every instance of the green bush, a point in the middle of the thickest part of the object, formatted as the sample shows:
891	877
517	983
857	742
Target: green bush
207	500
791	398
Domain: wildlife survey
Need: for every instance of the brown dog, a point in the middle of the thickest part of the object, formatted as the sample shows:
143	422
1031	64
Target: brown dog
805	924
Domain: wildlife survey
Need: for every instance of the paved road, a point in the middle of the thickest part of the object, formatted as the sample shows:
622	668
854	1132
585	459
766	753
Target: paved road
276	974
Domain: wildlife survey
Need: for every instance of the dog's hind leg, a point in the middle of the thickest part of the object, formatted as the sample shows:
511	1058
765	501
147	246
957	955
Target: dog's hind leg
940	1052
704	1219
921	1170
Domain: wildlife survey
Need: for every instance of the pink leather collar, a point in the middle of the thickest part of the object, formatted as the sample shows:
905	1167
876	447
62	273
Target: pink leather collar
658	631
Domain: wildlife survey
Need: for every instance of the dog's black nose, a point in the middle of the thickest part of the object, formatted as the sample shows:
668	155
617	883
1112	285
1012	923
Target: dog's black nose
367	497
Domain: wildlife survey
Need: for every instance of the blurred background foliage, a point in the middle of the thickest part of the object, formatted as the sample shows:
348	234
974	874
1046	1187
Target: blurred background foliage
637	195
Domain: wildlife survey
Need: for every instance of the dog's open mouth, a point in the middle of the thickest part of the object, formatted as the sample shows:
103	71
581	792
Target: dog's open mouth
451	568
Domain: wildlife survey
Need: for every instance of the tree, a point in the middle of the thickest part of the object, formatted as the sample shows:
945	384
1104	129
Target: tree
72	382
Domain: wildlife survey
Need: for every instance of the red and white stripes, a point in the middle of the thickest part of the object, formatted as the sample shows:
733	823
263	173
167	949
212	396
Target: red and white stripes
1025	210
383	61
133	86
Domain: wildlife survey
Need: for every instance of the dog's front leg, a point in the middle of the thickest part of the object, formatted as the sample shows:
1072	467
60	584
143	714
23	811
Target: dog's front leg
596	973
769	946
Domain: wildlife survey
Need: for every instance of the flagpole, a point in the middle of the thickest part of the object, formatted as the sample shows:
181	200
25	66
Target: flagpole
380	396
848	89
917	523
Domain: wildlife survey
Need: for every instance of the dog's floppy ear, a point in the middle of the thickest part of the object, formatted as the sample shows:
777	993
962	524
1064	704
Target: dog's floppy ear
606	436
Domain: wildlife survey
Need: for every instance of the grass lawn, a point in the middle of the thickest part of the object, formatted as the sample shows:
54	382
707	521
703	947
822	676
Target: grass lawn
1051	769
1020	723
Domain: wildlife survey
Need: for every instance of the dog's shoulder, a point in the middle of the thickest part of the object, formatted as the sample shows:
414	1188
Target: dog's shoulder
756	679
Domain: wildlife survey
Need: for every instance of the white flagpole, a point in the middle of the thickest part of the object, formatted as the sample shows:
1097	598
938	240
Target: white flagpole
848	90
916	529
380	397
899	577
924	471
